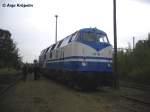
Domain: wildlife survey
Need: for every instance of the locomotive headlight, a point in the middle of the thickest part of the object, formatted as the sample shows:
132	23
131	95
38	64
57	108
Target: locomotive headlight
84	63
109	65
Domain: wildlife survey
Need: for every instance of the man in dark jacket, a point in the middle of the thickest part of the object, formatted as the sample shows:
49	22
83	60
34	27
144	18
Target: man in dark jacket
36	70
24	72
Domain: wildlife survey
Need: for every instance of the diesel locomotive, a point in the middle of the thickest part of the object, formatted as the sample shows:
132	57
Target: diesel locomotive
83	58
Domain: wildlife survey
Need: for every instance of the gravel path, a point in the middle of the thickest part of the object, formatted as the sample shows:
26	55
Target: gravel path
47	96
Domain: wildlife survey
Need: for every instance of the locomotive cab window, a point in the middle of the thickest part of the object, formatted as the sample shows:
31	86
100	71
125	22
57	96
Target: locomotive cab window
103	39
94	37
91	37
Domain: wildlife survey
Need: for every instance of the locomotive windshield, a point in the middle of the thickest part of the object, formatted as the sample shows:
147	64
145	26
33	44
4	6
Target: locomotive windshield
94	37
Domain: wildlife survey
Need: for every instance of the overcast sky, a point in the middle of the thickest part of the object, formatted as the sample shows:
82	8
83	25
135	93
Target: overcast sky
33	28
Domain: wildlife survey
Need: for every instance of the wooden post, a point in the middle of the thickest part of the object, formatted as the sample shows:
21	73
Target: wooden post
115	71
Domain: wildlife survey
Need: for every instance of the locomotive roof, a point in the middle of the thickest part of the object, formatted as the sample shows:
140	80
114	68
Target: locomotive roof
63	42
92	30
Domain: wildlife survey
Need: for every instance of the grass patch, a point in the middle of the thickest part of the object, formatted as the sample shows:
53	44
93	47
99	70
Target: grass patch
8	71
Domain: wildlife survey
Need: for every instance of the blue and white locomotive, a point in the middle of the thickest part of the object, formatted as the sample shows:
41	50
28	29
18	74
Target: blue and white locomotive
83	58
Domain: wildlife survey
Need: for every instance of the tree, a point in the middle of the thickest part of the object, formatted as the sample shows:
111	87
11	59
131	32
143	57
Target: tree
9	56
135	63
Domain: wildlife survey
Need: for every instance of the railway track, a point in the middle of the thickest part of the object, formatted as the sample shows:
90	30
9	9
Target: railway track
135	85
135	99
138	93
8	81
136	104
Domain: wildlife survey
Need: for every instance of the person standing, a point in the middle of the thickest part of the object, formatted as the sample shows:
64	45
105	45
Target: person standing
24	72
36	70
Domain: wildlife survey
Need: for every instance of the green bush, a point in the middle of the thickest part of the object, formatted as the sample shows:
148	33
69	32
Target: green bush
134	65
8	71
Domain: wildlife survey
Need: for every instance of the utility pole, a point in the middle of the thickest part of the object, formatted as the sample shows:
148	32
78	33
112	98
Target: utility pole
115	68
56	29
133	42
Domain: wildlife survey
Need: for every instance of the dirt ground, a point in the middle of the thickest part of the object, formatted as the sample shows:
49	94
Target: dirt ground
45	95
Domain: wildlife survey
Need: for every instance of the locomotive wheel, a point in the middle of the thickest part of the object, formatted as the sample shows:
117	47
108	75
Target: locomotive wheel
86	85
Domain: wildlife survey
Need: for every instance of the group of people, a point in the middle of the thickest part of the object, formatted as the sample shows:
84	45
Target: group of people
35	69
